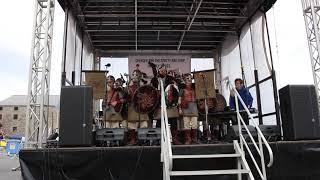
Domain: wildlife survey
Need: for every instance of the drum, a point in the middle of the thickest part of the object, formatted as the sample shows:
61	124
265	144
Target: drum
145	99
221	103
217	104
212	102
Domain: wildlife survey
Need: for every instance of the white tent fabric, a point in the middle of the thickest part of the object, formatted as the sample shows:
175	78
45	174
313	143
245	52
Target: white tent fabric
77	57
74	51
247	55
70	47
258	32
254	55
230	63
87	57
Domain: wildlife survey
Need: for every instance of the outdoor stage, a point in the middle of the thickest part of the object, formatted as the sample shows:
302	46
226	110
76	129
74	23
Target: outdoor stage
294	160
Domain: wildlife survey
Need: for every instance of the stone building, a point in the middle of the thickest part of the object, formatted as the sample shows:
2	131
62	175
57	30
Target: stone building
13	113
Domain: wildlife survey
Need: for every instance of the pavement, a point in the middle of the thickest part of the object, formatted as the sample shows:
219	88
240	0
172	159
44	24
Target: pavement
6	165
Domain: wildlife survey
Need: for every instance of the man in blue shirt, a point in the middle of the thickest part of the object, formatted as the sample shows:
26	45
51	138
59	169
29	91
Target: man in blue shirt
245	96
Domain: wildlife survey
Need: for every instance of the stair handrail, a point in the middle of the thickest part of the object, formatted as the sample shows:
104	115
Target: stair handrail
261	137
166	150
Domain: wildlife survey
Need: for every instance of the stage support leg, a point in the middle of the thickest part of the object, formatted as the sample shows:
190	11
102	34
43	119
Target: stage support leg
36	131
311	12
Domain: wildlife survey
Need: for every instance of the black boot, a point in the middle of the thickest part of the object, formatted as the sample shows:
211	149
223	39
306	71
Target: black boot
187	137
194	138
175	138
132	137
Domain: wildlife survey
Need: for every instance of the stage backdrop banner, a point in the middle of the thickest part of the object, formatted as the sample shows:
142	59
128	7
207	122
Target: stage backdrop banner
179	64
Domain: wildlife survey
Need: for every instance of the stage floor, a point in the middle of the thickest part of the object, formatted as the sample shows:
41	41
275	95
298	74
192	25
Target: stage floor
294	160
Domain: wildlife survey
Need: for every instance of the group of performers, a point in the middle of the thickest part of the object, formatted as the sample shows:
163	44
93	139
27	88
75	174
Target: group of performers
137	104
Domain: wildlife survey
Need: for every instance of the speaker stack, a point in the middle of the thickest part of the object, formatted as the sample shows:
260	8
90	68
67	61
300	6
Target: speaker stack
75	116
299	112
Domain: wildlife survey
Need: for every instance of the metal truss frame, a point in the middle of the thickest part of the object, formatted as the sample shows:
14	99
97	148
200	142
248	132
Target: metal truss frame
36	130
311	13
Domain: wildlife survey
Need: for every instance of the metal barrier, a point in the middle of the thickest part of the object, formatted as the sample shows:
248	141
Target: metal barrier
261	139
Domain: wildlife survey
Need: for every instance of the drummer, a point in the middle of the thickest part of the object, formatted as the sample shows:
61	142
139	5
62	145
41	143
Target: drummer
122	93
112	105
189	111
135	119
168	80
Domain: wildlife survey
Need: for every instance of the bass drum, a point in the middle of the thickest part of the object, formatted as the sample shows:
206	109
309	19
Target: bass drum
145	99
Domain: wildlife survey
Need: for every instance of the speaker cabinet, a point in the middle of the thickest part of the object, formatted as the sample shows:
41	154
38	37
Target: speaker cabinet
299	112
75	116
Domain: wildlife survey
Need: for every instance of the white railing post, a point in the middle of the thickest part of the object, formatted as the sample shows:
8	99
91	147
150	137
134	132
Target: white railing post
166	151
240	132
238	119
263	166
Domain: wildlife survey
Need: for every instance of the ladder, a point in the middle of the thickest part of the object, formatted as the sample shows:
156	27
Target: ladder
167	157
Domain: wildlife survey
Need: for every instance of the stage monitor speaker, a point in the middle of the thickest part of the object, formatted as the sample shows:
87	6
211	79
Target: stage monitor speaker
150	135
299	112
75	116
110	134
233	133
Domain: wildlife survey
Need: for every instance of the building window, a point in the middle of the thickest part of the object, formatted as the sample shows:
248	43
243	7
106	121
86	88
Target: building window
0	116
16	108
15	116
14	129
1	108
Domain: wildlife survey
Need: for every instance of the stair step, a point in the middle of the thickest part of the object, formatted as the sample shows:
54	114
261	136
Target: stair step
208	172
205	156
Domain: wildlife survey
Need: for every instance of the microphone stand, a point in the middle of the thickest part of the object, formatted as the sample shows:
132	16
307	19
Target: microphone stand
206	107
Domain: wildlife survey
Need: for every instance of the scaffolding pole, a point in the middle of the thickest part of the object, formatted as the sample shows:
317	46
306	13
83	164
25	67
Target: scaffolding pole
36	131
311	13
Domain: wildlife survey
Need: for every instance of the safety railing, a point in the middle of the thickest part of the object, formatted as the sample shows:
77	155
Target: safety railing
261	139
166	151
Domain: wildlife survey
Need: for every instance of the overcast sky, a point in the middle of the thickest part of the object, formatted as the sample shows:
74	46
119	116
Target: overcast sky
293	65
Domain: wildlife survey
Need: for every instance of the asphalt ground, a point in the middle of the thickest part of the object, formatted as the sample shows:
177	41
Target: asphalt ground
7	163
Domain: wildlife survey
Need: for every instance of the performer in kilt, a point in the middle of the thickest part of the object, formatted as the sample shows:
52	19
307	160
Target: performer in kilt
135	119
188	110
124	108
112	105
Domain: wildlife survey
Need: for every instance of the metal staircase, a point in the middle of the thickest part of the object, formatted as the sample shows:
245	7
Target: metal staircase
167	158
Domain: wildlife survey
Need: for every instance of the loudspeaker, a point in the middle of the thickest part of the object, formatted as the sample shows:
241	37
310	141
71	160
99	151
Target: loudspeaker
299	112
110	134
75	116
233	133
150	135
